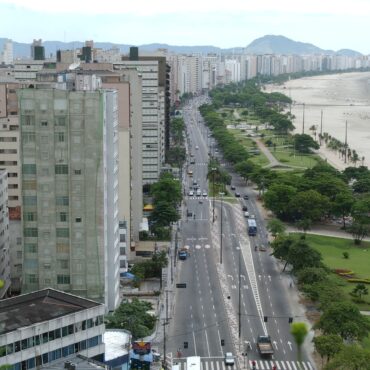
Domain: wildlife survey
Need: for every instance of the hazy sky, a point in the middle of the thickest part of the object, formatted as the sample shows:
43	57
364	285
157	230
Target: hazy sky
329	24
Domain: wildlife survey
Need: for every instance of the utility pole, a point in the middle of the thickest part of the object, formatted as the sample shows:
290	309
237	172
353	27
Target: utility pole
345	144
321	128
221	194
214	195
239	310
303	118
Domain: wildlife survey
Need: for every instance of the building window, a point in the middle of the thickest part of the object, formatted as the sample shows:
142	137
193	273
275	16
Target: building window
63	279
29	169
19	255
122	238
31	232
62	233
60	121
30	216
29	200
77	172
62	201
63	217
61	169
44	123
28	121
60	137
62	248
32	278
19	241
63	264
78	219
30	248
28	137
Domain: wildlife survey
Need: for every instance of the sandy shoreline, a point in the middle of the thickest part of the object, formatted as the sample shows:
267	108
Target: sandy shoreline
341	98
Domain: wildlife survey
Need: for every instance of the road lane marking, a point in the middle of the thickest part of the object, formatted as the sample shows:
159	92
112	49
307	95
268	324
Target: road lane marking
195	345
209	353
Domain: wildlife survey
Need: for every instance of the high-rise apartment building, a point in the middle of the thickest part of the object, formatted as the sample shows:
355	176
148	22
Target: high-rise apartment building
10	161
69	157
6	56
155	110
4	236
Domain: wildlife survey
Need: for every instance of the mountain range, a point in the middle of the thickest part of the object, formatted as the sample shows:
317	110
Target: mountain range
269	44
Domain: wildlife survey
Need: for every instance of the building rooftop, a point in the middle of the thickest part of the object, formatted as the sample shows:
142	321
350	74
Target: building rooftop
39	306
75	362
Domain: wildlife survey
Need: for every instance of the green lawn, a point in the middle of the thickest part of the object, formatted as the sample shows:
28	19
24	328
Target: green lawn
249	145
297	160
332	252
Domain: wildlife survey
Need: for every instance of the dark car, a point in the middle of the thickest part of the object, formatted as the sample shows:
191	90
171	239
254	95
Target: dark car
189	214
237	195
245	196
245	208
232	187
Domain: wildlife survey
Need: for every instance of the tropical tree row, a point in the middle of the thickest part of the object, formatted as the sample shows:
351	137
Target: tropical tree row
167	196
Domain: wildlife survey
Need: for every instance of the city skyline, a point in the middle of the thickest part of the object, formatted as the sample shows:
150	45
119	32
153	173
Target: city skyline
228	25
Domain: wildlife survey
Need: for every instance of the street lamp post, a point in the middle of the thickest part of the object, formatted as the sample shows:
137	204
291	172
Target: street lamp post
221	194
214	195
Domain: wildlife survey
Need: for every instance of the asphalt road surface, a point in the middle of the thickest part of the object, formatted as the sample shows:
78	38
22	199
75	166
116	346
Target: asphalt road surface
222	301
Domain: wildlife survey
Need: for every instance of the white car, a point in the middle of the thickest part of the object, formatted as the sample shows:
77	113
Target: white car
204	193
246	214
229	359
191	193
197	147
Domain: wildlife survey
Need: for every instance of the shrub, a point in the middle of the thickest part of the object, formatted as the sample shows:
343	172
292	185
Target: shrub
345	255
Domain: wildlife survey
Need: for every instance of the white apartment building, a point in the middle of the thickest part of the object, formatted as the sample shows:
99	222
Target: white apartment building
6	56
25	70
69	154
153	154
233	66
41	327
9	138
4	236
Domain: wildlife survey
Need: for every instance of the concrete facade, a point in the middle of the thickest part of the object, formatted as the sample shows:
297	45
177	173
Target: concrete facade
4	236
153	126
69	159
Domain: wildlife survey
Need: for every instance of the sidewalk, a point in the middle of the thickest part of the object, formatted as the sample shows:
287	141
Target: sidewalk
326	230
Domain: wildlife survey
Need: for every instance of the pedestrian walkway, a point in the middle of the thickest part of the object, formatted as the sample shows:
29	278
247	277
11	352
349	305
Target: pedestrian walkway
281	365
218	363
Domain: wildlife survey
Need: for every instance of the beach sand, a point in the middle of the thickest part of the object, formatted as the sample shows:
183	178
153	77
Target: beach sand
341	97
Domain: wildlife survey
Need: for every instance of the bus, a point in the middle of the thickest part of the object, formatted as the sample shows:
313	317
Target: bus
193	363
252	227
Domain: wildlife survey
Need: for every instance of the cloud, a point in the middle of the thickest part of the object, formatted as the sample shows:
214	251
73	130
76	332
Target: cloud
151	8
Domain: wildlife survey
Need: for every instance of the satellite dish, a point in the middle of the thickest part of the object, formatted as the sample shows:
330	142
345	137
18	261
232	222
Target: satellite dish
73	66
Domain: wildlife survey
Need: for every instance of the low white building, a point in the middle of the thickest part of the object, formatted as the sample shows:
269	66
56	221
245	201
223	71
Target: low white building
44	326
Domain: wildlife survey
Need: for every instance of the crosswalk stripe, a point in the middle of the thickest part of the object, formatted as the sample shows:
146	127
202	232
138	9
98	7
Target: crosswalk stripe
261	366
294	367
304	365
205	364
278	366
288	365
309	366
217	365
